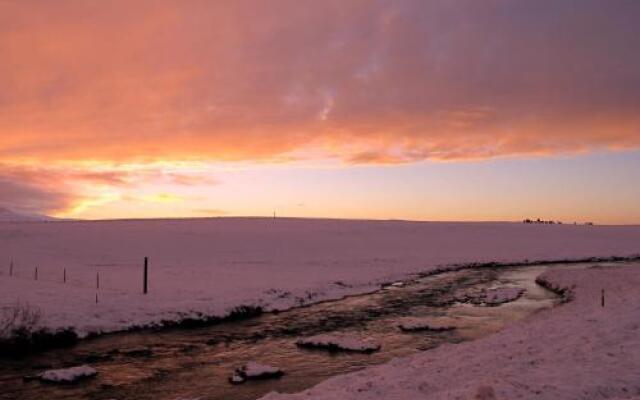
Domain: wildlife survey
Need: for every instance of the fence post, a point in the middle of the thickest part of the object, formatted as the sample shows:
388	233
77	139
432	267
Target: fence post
145	277
64	275
11	268
602	298
36	273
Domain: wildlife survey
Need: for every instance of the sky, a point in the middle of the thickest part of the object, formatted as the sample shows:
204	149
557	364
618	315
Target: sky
403	109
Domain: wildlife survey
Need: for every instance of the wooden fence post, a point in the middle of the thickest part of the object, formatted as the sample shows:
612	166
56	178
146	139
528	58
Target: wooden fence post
145	286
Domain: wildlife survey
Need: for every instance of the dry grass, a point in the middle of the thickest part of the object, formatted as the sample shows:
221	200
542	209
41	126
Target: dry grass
18	318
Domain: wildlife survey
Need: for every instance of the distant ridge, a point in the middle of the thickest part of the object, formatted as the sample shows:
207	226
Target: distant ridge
7	215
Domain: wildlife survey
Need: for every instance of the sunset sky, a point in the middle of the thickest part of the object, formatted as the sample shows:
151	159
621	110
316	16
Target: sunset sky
407	109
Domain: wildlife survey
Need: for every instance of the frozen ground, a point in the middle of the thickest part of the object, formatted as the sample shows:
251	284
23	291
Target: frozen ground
579	350
209	266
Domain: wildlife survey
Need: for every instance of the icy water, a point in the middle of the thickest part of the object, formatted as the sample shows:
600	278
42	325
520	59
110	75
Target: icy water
196	363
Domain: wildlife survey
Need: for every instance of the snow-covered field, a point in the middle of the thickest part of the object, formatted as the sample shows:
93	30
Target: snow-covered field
578	350
209	266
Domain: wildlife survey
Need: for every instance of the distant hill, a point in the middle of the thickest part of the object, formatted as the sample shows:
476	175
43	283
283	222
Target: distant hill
7	215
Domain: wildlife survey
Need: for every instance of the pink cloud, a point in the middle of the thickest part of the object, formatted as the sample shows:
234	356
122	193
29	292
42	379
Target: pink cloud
361	81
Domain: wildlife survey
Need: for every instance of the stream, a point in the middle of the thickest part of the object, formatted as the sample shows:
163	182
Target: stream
196	363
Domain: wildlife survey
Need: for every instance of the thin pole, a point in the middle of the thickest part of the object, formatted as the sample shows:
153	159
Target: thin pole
98	280
602	298
11	268
36	273
64	275
146	267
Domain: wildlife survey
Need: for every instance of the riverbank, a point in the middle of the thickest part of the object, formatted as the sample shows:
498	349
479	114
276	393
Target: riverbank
579	350
182	363
87	276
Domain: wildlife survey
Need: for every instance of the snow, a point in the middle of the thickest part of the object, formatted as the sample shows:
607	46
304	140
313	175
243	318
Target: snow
426	324
208	267
390	286
236	379
254	370
339	342
68	375
578	350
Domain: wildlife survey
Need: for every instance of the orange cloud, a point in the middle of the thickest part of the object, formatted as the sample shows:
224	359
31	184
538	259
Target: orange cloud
359	81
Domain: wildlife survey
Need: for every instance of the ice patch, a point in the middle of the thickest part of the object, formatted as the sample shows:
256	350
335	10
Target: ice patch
68	375
254	370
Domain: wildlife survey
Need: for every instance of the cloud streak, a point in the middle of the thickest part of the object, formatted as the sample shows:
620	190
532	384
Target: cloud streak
70	190
31	199
358	81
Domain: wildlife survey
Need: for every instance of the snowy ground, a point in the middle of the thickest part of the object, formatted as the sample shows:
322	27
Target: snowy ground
578	350
209	266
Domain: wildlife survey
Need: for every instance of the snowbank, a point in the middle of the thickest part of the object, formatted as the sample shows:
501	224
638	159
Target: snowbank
340	342
578	350
68	375
254	370
207	267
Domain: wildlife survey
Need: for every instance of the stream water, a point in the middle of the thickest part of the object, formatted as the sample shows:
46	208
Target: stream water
196	363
